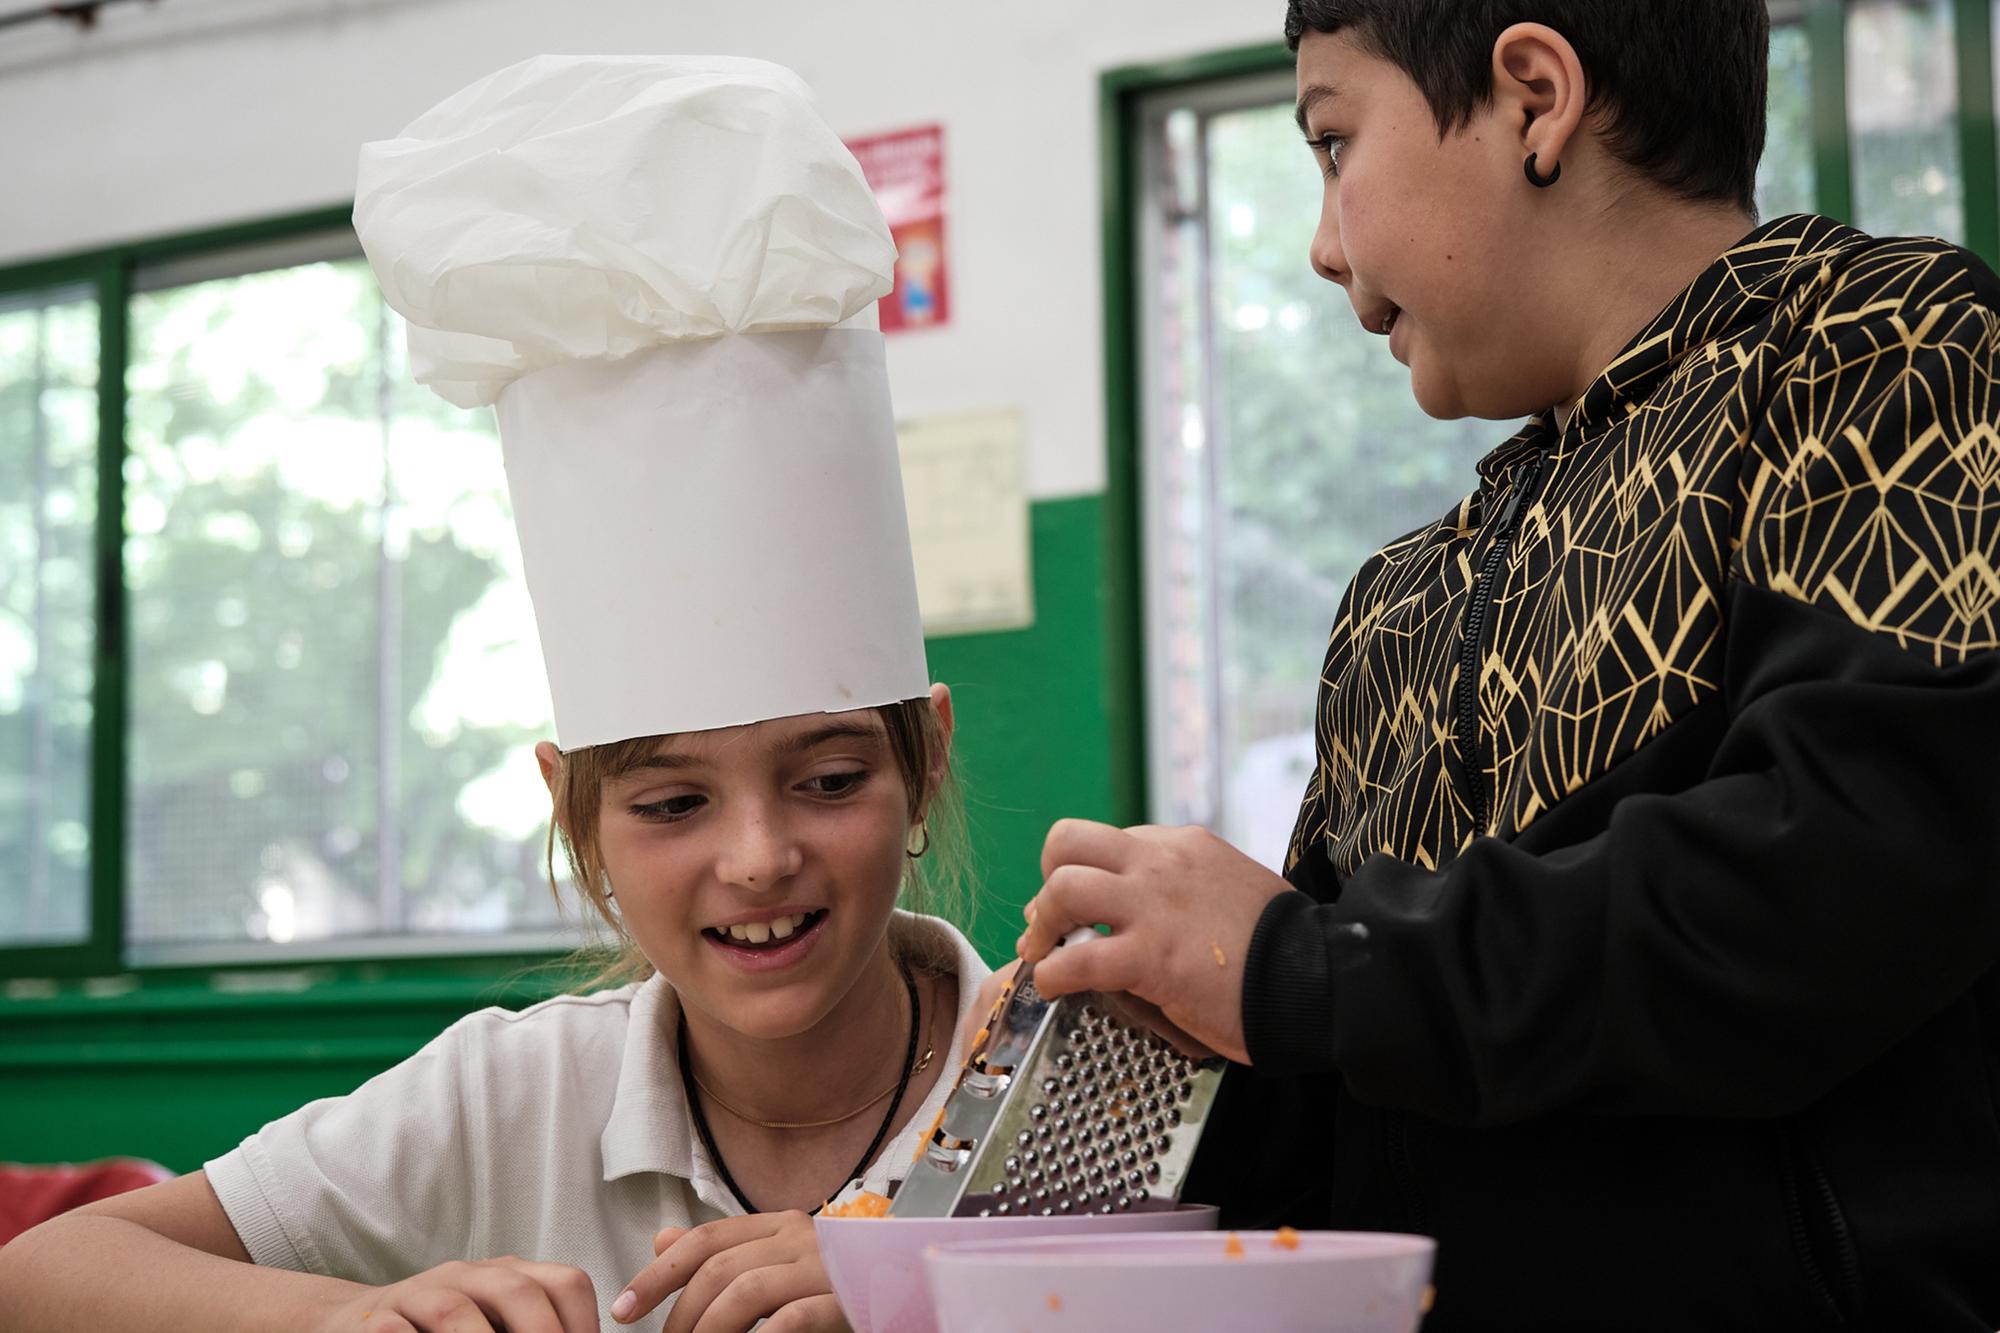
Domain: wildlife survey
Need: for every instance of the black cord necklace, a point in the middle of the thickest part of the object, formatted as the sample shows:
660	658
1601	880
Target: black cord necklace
881	1132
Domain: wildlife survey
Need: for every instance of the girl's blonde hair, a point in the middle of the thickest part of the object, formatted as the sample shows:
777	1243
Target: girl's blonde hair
932	882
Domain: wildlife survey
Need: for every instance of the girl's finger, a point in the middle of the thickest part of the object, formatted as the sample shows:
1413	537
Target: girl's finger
815	1314
719	1272
569	1290
983	1010
685	1256
443	1310
758	1293
506	1297
386	1321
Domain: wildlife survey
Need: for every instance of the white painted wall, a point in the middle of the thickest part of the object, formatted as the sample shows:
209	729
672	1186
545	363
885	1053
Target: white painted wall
191	113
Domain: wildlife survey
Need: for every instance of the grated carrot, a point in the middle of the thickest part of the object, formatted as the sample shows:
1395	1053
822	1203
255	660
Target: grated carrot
1286	1239
865	1204
1220	961
925	1141
1233	1247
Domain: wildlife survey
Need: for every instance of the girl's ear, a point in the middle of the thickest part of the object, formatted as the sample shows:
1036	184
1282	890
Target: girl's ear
941	701
549	759
1539	87
941	761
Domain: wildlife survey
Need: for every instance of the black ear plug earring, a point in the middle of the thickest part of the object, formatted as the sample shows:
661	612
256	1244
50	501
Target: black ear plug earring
1536	179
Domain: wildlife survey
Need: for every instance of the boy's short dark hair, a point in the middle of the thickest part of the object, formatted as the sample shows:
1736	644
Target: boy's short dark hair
1680	83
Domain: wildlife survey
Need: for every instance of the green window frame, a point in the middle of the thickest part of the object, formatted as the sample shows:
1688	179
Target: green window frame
96	968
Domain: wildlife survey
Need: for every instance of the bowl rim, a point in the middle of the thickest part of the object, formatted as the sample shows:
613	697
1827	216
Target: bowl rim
1208	1210
1076	1251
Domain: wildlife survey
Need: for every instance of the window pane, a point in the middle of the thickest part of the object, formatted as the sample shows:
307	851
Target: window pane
1902	91
48	521
335	682
1785	181
1298	451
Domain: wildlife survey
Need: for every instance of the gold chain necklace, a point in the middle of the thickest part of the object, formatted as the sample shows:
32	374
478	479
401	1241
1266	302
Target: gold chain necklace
923	1063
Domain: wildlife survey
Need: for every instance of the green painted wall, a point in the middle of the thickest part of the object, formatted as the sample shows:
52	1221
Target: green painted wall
172	1070
1033	717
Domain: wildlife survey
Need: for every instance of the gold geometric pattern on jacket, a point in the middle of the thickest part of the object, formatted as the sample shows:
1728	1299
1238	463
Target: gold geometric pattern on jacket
1816	415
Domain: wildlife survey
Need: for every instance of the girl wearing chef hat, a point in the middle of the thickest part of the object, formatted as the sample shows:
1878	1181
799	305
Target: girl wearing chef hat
663	274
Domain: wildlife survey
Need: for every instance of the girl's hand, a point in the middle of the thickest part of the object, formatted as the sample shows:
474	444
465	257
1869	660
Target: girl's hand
984	1008
510	1294
1182	905
734	1272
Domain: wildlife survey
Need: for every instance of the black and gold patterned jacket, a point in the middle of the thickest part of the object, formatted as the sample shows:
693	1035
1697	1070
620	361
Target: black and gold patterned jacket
1651	870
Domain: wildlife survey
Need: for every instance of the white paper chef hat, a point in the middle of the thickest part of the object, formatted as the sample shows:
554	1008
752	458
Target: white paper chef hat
663	272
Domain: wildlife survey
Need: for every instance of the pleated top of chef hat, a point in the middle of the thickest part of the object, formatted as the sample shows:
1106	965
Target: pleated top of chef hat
663	273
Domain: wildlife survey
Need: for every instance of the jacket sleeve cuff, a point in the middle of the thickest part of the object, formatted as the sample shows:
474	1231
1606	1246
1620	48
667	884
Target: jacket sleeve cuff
1288	988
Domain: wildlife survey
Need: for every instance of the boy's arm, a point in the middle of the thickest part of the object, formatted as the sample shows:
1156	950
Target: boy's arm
1735	949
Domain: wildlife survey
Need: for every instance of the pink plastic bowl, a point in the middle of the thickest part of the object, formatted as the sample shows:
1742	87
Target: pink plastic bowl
1334	1282
877	1263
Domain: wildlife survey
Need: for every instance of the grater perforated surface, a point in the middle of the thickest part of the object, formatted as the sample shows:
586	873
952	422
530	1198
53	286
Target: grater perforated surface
1062	1109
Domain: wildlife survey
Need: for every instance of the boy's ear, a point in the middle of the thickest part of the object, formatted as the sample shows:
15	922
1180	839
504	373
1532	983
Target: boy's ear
549	759
1539	88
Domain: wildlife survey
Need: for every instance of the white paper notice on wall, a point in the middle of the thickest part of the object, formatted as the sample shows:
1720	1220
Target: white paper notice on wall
963	483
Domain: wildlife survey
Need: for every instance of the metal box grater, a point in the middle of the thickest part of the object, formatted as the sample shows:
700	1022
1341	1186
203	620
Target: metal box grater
1061	1109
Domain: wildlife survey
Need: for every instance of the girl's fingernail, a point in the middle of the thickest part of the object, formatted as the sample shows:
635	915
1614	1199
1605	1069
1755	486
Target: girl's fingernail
622	1308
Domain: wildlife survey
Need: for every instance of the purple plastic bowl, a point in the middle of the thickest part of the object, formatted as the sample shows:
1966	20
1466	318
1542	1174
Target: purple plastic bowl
877	1263
1333	1282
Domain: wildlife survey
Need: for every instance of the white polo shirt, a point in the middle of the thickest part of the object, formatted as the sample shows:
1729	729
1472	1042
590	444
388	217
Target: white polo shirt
559	1133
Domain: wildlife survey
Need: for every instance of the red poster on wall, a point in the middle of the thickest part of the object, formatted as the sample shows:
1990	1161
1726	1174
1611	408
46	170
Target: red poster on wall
906	171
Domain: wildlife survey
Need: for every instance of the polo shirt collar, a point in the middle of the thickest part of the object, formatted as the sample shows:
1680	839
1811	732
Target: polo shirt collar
650	1129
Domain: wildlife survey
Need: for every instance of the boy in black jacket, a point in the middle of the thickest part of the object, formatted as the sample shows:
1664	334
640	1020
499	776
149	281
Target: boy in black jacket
1641	924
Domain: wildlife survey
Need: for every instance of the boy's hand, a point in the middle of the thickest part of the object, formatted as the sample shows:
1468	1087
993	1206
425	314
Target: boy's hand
511	1294
735	1272
1182	905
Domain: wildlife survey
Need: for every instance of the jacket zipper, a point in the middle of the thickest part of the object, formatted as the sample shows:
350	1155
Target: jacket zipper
1476	608
1396	1127
1802	1244
1843	1240
1795	1156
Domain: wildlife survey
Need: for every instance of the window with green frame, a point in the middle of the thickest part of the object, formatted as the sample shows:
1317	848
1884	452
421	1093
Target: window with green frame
283	705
